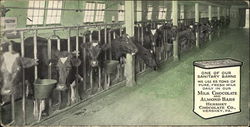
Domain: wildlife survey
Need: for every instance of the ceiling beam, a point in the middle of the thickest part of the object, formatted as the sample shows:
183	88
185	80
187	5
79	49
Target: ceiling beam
224	3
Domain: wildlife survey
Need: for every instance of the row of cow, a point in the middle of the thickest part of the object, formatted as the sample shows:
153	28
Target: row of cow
158	37
65	65
152	42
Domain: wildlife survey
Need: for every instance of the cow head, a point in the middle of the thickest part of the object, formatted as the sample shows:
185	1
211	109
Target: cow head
94	49
196	26
208	27
174	31
64	63
11	65
146	55
192	36
126	44
191	33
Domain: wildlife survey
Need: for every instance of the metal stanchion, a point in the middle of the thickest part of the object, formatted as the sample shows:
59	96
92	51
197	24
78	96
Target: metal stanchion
23	82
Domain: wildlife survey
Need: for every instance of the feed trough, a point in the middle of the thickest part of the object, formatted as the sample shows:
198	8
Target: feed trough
43	88
110	65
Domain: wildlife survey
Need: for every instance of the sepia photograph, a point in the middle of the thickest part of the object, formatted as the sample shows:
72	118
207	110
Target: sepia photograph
124	63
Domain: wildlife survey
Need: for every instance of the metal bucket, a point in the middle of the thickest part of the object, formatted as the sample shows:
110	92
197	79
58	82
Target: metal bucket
43	88
110	65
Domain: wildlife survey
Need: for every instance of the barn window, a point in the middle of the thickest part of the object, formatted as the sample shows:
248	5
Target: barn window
162	13
139	11
54	16
89	15
94	12
121	13
35	14
149	14
99	16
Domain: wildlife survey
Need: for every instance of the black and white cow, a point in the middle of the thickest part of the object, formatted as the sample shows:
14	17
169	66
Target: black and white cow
186	38
94	49
204	30
11	67
152	37
63	70
215	25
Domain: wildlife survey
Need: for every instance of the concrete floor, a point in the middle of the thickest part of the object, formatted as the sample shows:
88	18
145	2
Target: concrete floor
165	97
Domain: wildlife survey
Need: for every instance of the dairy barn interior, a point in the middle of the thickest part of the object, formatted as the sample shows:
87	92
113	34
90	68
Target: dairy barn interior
114	62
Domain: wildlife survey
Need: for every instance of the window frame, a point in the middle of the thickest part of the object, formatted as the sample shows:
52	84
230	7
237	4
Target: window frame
33	10
121	13
96	14
101	13
149	12
45	13
162	15
88	13
45	22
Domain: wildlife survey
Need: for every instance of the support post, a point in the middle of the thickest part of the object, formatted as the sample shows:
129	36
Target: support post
58	44
218	17
129	24
13	115
182	12
209	12
77	42
84	65
218	13
90	36
105	56
23	81
210	19
109	41
35	51
197	17
35	57
77	69
175	23
142	39
49	57
69	40
228	11
99	68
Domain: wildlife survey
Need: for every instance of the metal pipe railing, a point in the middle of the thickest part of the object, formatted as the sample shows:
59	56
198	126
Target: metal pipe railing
64	9
158	21
63	27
